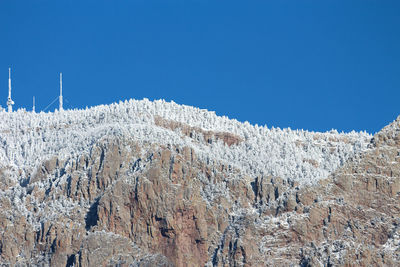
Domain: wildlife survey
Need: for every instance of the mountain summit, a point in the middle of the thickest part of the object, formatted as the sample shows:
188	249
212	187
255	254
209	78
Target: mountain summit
154	183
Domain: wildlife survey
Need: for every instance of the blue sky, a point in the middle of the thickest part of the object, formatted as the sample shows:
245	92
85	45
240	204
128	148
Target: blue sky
313	65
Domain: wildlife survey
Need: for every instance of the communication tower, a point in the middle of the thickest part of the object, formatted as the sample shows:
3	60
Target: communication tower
10	103
61	97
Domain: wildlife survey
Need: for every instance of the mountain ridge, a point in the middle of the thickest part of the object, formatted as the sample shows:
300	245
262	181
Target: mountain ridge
137	116
144	183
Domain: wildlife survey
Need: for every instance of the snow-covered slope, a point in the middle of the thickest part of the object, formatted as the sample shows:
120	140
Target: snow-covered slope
26	139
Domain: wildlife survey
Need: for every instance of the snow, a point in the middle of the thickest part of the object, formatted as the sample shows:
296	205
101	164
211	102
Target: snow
27	139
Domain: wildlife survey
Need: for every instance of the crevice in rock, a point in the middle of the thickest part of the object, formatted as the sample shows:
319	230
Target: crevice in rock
92	216
165	232
297	198
305	262
215	257
276	193
254	186
69	180
53	246
329	215
70	260
136	165
24	182
101	159
48	190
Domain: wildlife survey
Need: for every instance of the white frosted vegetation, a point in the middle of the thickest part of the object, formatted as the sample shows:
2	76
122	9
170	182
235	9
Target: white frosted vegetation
26	139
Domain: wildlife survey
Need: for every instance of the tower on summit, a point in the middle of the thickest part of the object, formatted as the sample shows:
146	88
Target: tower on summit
61	97
10	103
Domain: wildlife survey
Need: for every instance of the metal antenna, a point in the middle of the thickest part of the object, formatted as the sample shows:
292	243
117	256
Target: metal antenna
33	107
10	103
61	97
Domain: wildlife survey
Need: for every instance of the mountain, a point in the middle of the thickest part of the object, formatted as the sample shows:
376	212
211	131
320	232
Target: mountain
154	183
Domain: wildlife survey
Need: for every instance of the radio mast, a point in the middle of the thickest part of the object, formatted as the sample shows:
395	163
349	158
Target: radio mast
33	107
10	103
61	97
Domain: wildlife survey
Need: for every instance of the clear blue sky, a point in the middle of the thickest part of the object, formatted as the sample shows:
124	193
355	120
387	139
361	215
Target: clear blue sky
313	65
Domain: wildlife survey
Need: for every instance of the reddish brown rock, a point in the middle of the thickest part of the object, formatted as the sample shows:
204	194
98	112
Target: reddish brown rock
193	132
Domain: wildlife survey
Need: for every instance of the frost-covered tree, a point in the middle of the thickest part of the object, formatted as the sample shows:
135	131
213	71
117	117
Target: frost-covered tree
27	138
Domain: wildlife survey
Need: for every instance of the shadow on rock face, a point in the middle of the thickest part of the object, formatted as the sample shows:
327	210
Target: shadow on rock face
92	215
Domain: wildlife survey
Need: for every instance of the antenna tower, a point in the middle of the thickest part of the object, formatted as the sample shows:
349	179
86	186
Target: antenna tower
33	107
61	97
10	103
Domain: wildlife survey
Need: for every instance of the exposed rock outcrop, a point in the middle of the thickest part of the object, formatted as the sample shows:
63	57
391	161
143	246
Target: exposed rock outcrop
196	132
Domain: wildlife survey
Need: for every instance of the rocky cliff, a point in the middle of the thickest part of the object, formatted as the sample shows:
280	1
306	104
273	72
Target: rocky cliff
146	183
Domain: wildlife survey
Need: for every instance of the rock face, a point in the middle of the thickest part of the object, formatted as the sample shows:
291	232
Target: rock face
130	203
